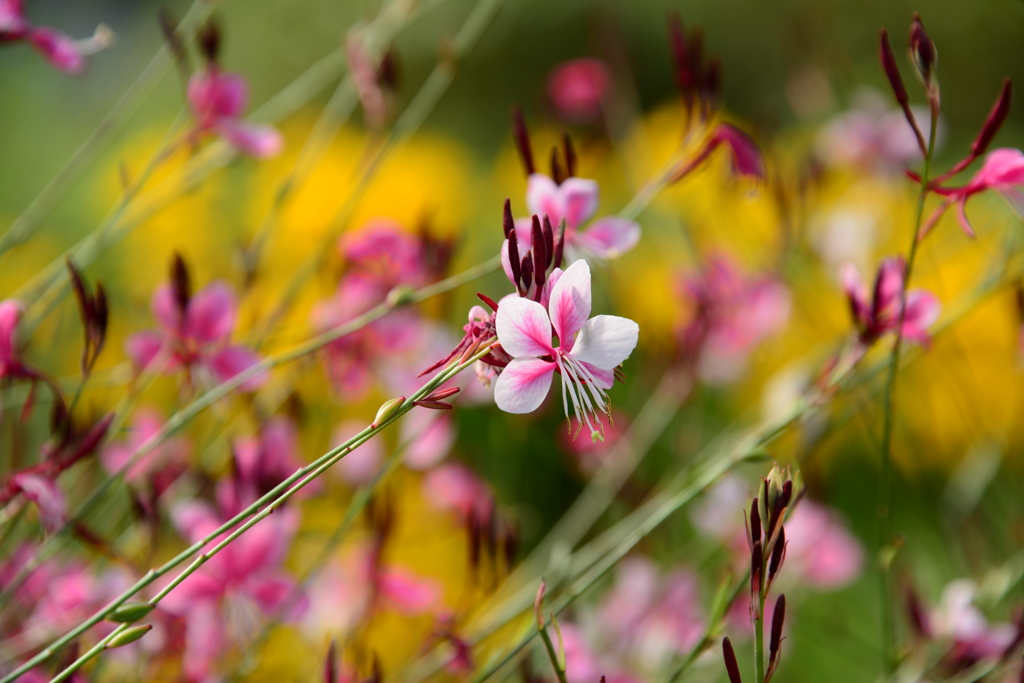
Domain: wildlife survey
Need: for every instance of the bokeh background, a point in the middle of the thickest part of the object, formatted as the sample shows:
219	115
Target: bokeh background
789	68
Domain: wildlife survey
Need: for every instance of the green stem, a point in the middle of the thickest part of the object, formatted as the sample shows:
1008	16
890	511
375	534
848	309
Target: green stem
272	500
553	655
759	640
888	604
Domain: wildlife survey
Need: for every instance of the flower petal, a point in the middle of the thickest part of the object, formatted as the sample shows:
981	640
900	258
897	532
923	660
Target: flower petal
260	142
408	592
47	497
606	340
234	360
579	201
608	237
165	309
59	48
144	347
961	214
523	385
570	303
543	198
523	327
923	309
211	314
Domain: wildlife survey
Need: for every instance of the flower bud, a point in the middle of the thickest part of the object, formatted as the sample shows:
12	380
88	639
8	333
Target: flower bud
994	121
892	70
521	136
130	612
508	223
401	295
922	51
561	643
731	665
388	410
538	605
129	636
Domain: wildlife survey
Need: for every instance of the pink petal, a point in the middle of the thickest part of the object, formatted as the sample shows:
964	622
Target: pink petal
579	201
213	94
543	198
608	237
922	312
888	289
143	348
523	327
431	435
204	640
194	520
855	291
12	17
59	48
961	214
234	360
274	592
10	314
259	142
455	487
165	309
210	317
605	378
47	497
570	304
406	591
606	341
523	384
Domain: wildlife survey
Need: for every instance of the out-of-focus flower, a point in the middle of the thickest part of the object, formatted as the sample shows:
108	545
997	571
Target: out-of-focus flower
652	616
243	579
392	256
1003	172
360	465
264	461
70	593
970	636
577	89
194	334
872	136
455	487
591	454
880	313
734	313
217	100
587	354
47	497
60	49
430	435
10	314
171	455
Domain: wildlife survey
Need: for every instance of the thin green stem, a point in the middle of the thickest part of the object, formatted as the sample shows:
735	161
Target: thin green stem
888	604
553	655
759	640
272	500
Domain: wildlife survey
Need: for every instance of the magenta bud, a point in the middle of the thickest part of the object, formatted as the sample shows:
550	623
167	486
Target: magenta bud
331	664
996	117
892	70
488	300
922	51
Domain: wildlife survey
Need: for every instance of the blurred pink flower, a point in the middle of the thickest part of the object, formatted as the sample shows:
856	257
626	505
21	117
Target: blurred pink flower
586	664
820	551
1002	171
587	355
575	200
430	434
47	497
734	313
744	154
577	89
384	251
171	454
245	578
361	465
351	360
10	314
217	100
880	314
62	51
195	336
455	487
264	461
958	621
591	453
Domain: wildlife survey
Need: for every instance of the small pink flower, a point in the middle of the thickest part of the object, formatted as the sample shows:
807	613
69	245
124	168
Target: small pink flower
172	453
575	200
266	460
352	360
734	313
407	592
586	356
880	314
244	578
963	625
455	487
1003	172
577	89
383	250
217	100
60	50
430	435
195	338
820	549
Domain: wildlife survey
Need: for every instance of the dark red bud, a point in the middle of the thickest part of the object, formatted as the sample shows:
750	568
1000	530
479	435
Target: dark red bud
556	167
513	258
778	555
778	618
731	667
540	258
996	117
387	71
570	156
433	405
755	524
331	664
559	244
489	301
527	270
508	223
922	50
549	242
181	283
521	136
442	394
892	70
209	41
756	567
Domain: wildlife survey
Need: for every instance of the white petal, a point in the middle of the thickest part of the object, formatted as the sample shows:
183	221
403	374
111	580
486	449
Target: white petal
523	327
609	237
523	384
606	340
570	303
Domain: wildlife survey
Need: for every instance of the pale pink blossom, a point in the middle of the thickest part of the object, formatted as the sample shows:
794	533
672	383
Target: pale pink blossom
172	454
62	51
456	488
879	313
353	360
577	89
574	200
267	459
585	663
586	355
10	314
361	465
429	435
960	623
1002	171
217	100
195	336
46	495
245	579
734	313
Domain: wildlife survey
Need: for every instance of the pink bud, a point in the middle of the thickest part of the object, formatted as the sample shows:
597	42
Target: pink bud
577	89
